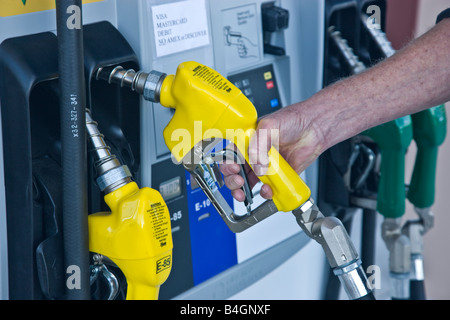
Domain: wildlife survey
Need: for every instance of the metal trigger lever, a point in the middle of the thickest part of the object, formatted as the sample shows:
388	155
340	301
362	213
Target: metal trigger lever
202	168
99	269
359	148
225	155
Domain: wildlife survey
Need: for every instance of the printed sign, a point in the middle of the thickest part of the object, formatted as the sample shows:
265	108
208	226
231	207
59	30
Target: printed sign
180	26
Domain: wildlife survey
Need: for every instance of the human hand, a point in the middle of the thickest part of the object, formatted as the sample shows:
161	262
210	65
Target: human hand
292	132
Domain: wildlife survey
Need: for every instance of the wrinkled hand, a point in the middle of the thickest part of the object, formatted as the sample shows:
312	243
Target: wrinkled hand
292	133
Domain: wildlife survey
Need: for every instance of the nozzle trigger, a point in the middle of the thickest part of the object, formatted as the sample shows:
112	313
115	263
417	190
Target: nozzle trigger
201	166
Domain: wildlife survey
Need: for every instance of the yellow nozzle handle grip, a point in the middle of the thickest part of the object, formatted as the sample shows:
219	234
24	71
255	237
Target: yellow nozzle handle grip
289	190
138	291
144	276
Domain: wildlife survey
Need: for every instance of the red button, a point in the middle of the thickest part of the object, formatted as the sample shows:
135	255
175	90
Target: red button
269	85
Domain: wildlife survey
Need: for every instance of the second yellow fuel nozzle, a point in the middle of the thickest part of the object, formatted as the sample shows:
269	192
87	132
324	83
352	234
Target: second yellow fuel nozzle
209	109
136	235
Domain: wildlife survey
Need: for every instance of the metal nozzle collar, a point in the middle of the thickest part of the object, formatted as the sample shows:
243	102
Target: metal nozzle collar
114	178
152	86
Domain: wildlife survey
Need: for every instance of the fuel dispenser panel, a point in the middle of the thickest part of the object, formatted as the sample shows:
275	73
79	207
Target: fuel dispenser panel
181	277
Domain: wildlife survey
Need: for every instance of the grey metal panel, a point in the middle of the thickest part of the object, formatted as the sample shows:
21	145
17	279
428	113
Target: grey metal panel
242	275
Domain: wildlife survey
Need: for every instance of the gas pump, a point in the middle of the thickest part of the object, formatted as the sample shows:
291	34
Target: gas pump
274	52
255	44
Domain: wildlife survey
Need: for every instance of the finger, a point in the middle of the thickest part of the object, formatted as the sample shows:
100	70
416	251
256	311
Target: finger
266	192
234	182
238	194
229	168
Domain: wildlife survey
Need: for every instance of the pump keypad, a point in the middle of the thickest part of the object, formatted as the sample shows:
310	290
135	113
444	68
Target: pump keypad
260	87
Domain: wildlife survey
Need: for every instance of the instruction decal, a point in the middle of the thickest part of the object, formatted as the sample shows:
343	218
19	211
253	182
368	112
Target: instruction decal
241	36
180	26
160	222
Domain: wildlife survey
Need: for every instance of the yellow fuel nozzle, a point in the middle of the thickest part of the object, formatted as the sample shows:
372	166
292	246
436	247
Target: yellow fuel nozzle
136	234
208	106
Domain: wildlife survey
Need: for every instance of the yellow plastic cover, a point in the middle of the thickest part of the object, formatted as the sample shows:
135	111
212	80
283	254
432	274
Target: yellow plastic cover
137	236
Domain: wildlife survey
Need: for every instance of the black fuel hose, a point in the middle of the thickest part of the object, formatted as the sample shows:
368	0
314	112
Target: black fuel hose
73	145
369	296
417	290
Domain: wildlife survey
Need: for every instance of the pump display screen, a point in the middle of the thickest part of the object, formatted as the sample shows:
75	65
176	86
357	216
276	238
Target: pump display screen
171	188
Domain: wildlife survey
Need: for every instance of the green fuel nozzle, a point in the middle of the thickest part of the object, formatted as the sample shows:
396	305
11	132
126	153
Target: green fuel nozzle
393	138
429	131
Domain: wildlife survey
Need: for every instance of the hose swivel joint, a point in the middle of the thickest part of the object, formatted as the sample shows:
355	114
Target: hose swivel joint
341	254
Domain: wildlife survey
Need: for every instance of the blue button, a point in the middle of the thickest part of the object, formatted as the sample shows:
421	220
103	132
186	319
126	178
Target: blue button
274	103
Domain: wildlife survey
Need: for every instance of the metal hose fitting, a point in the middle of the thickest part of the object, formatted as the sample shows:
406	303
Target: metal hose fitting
353	280
111	174
148	84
